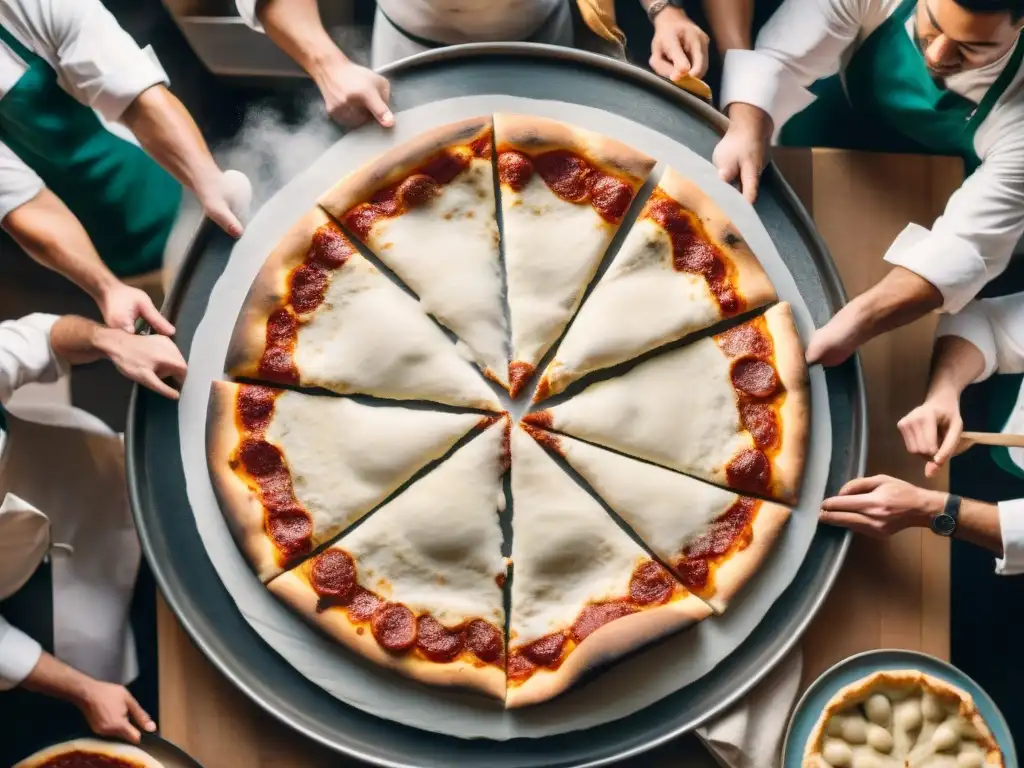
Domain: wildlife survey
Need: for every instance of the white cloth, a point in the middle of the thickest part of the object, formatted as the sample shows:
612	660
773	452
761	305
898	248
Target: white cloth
972	242
750	735
996	327
70	466
451	22
96	62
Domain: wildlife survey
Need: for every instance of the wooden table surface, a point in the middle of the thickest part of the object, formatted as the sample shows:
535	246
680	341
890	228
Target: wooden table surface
891	594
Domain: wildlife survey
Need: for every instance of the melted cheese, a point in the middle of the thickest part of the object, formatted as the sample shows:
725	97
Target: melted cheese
567	552
677	409
552	250
368	336
345	458
665	509
641	303
447	252
437	546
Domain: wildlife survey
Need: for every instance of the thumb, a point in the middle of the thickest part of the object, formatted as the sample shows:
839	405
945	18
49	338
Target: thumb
375	103
220	214
156	321
949	443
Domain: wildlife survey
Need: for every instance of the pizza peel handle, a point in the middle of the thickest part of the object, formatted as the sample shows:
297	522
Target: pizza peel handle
969	439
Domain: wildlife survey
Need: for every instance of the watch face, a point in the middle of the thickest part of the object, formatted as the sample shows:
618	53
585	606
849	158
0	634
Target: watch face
943	524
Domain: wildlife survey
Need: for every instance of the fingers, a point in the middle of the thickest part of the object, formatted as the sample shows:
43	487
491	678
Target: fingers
159	323
949	442
668	58
696	48
817	347
150	380
728	167
139	715
374	102
222	216
749	179
856	503
862	485
855	522
128	732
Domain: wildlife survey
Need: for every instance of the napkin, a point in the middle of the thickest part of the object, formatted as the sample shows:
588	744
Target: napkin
750	735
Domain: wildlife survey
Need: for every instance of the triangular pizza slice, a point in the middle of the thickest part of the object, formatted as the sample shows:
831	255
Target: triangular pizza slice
732	409
564	191
683	267
320	315
583	592
713	539
418	586
291	471
426	210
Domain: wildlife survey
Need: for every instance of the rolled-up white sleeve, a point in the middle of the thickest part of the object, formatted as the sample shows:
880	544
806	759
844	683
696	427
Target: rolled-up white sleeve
26	356
19	655
996	328
247	10
1011	524
18	182
803	41
98	58
973	240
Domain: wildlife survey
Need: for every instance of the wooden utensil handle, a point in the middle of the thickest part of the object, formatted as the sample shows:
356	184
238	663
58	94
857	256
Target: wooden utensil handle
994	438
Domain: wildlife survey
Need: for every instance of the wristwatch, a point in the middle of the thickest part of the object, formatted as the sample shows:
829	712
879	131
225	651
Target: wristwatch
657	7
944	523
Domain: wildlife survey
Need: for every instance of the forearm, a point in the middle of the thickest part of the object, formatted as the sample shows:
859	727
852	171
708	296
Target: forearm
78	341
957	363
978	524
901	297
731	23
750	119
52	235
52	677
170	136
296	28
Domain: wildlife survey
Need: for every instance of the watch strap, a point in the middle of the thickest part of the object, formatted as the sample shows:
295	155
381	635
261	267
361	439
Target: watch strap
657	7
945	522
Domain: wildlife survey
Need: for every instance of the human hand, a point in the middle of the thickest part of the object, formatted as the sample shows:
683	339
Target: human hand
111	711
933	429
880	506
225	199
742	153
352	94
146	360
679	46
121	305
835	341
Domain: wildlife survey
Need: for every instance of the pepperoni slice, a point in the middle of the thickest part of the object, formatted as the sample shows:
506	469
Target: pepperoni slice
276	364
651	584
394	627
760	420
330	247
749	470
417	190
309	284
610	197
594	617
565	173
291	533
755	377
694	573
334	575
260	458
255	406
745	339
484	641
362	604
546	651
514	169
436	641
519	667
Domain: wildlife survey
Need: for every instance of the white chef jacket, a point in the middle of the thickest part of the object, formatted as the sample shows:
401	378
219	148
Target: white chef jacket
971	243
96	61
82	493
996	328
451	22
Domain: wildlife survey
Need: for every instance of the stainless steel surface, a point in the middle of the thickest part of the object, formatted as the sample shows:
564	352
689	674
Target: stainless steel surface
186	577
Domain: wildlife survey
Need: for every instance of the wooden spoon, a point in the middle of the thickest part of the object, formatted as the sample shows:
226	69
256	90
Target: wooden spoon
968	439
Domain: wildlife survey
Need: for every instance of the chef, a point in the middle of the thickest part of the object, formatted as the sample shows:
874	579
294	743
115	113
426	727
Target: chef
934	76
77	98
63	499
402	28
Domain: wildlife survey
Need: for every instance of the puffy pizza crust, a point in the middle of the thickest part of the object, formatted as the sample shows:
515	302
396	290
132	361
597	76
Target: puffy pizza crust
113	749
367	336
446	251
642	302
668	511
436	548
344	458
901	684
552	246
568	553
679	410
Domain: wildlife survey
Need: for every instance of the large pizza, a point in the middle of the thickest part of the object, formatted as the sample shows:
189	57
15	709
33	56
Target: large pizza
362	444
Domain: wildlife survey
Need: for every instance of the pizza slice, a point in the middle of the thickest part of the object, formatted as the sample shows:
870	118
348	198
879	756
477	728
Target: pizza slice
320	315
426	209
291	471
564	191
683	267
732	409
419	586
90	753
583	592
713	539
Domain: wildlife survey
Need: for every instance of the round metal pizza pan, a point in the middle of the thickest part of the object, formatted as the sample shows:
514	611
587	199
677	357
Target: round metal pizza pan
188	579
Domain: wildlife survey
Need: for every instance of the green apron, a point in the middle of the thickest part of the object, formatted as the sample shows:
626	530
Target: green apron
891	104
126	202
